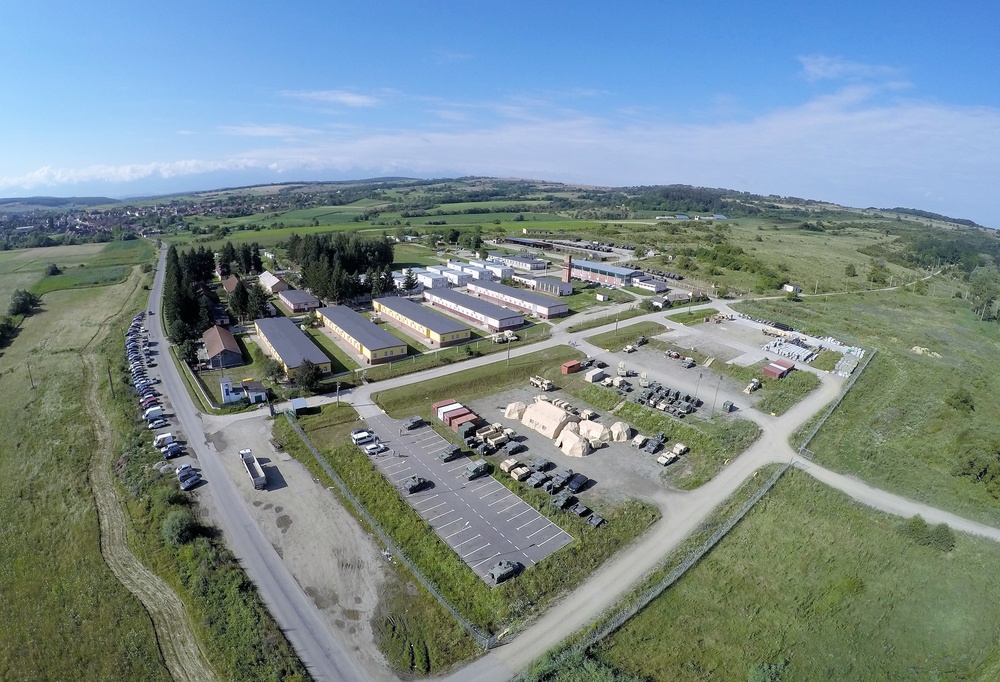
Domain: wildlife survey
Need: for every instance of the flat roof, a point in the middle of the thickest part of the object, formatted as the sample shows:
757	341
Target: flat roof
422	315
291	344
521	294
296	296
360	328
518	257
478	305
601	267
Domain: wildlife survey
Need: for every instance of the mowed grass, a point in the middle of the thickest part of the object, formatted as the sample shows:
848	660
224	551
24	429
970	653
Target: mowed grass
895	428
626	335
692	316
823	589
82	277
64	614
775	396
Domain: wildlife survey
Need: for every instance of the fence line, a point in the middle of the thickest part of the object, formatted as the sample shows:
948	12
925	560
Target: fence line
623	616
808	454
484	640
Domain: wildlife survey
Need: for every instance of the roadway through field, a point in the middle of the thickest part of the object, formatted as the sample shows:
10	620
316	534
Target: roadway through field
482	520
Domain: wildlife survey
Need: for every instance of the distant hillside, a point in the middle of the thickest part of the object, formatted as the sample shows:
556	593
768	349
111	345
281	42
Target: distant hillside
932	216
20	204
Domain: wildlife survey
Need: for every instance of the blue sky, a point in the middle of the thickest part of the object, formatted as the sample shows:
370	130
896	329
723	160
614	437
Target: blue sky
865	104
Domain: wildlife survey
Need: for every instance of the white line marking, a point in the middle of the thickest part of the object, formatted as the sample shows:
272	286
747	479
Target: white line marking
439	516
551	538
539	531
493	492
475	566
510	507
521	514
431	497
403	475
501	499
477	535
528	523
450	522
476	550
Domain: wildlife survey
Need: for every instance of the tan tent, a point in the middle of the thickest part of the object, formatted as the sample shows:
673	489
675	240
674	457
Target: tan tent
572	445
572	426
515	411
596	433
546	418
620	432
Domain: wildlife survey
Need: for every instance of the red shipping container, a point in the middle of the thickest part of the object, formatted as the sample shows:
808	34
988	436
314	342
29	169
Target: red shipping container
441	403
457	424
782	362
452	416
571	367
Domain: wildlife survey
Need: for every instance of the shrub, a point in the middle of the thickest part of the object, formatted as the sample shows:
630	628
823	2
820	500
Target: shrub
178	528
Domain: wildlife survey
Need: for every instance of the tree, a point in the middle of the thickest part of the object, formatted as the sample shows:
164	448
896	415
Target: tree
256	301
239	301
273	369
178	528
189	351
409	282
308	375
52	269
22	302
850	270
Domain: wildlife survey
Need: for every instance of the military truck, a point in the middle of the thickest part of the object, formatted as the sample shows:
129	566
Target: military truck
541	383
414	484
476	469
503	570
452	453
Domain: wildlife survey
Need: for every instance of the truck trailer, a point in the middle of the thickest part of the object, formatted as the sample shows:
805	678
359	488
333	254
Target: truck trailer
255	471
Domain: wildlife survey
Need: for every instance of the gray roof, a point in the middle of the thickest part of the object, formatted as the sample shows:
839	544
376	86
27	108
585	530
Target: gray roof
297	296
601	267
290	342
527	296
422	315
360	328
480	306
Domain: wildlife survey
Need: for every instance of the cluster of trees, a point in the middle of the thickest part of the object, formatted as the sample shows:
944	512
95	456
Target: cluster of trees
186	307
939	537
730	257
248	301
242	260
23	302
332	265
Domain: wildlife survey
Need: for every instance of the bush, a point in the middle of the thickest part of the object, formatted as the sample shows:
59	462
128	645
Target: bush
52	269
178	528
940	537
961	400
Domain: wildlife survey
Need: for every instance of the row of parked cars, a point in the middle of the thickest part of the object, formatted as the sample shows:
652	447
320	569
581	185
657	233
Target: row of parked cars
139	354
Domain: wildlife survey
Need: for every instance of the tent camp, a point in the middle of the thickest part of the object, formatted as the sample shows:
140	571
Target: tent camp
546	418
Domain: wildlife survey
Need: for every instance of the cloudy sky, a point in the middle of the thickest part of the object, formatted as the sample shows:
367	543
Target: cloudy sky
866	104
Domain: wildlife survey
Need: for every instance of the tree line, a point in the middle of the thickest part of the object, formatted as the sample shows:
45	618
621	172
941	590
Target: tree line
343	266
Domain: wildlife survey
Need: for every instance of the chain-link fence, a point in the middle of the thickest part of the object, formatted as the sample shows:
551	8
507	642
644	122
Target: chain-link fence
808	454
484	640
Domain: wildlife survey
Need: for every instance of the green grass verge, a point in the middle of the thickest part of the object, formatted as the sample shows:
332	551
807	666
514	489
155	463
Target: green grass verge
853	599
490	609
476	382
340	360
609	319
692	316
81	277
827	360
625	335
712	443
776	395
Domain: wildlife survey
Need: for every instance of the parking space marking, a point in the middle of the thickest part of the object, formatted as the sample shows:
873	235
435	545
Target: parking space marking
485	483
477	535
402	475
389	466
539	531
510	507
498	489
477	565
529	522
553	537
476	550
521	514
507	497
434	507
440	515
460	466
431	497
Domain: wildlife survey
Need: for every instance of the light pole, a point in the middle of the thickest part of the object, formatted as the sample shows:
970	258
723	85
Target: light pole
711	413
697	386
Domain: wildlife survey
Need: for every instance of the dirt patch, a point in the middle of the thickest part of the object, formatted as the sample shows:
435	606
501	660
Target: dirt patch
326	550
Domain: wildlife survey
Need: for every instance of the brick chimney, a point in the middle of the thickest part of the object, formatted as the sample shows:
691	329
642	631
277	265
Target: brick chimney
566	267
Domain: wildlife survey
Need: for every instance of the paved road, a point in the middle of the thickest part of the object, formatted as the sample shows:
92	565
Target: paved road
318	645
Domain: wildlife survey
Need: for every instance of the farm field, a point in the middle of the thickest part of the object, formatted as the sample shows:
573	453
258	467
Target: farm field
913	422
812	586
66	616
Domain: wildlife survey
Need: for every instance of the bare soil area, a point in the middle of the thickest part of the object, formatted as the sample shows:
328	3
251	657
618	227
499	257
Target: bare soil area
332	558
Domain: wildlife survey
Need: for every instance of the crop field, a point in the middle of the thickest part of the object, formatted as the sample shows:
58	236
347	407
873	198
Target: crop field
65	614
812	586
913	421
82	277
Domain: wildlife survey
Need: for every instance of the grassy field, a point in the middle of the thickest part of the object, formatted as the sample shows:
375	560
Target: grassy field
491	609
81	277
693	316
624	335
470	384
898	428
776	395
340	360
65	615
413	256
812	586
608	319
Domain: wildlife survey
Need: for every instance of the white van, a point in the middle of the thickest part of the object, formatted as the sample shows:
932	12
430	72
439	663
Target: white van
163	439
153	413
362	436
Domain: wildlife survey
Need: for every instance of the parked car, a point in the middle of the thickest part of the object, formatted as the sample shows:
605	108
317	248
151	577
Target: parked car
374	448
190	482
576	483
187	473
158	424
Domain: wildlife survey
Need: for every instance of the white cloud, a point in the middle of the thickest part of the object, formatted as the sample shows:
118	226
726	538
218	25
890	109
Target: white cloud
270	130
344	97
823	67
48	176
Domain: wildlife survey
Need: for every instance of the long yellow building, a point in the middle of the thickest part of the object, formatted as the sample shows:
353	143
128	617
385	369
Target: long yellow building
371	341
431	326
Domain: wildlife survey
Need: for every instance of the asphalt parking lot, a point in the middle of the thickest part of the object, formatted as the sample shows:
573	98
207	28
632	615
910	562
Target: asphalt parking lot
482	520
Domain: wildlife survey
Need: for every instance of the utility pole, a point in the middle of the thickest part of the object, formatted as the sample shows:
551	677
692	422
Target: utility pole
338	394
711	413
29	376
111	383
697	386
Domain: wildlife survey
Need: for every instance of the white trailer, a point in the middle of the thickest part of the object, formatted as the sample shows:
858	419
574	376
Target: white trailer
255	471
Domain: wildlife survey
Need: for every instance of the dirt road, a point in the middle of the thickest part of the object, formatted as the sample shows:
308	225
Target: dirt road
173	630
